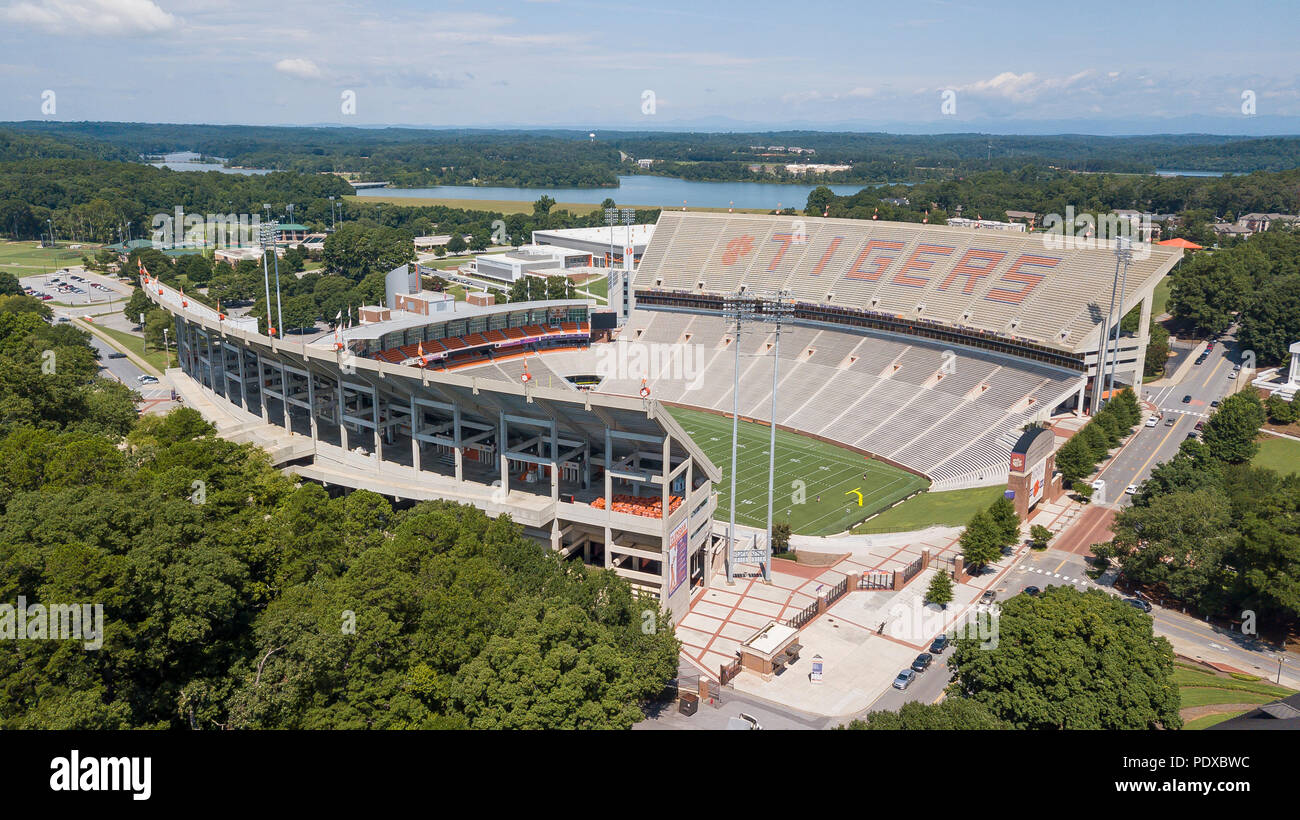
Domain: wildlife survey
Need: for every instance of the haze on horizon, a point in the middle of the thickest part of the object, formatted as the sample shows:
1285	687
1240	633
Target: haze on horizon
1168	67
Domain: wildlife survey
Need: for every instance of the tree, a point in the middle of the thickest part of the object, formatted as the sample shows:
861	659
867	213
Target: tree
1176	542
1071	660
781	537
981	541
1281	411
1040	536
542	207
1231	432
953	713
1003	512
940	589
1075	460
9	285
1270	321
456	244
138	304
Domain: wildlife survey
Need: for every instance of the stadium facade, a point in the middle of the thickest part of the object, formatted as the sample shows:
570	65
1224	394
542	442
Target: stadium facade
611	479
928	347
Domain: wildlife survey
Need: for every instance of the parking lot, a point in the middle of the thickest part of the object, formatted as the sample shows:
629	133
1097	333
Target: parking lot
75	287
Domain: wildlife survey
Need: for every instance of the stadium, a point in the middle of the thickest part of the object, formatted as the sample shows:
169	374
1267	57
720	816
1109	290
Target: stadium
910	356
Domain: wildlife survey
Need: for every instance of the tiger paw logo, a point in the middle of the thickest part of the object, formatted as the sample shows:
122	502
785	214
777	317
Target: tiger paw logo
736	248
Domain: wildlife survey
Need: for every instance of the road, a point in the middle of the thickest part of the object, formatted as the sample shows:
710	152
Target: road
1191	636
156	398
1151	446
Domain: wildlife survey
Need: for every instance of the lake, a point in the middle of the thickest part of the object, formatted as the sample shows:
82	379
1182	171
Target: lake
186	161
657	192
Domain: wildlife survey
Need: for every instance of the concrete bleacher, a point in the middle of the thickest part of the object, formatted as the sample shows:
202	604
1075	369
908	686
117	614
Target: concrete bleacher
949	425
1061	310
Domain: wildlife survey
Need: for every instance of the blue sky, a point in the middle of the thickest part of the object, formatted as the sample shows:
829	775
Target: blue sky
1100	68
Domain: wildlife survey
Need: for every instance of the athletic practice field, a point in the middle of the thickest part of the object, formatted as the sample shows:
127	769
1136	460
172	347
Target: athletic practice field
830	476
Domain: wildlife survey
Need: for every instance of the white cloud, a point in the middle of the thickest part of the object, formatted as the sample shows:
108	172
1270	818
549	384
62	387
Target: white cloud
99	16
298	67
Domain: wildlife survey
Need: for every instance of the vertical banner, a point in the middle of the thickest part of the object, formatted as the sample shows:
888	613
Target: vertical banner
677	559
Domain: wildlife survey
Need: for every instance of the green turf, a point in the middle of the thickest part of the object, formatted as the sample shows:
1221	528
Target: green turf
26	258
1160	298
829	474
952	508
1210	695
1195	678
1206	721
1280	454
597	287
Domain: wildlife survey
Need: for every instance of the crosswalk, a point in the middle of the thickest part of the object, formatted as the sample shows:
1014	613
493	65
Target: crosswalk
1185	412
1058	576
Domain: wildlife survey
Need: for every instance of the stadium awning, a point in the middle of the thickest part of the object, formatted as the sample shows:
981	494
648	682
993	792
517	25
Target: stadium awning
1181	243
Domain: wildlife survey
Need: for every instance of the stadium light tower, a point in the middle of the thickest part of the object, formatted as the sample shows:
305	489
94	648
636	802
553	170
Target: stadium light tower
743	308
265	232
1103	351
778	312
737	312
1123	254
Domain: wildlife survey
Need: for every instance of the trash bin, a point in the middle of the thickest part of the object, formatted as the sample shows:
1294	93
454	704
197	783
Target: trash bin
689	703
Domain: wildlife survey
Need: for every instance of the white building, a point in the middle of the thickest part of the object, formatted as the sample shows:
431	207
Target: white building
541	260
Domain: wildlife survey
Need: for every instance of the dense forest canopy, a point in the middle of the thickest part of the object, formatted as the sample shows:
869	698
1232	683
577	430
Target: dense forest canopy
412	157
265	602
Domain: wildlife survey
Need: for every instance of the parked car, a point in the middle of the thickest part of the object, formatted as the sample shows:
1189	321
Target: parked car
1232	375
145	378
1200	425
938	645
922	662
1152	421
1193	434
988	597
904	679
1139	603
1131	489
117	355
1214	403
1099	483
1032	591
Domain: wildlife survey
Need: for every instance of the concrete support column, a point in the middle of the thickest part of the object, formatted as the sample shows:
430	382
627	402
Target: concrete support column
374	417
415	442
1144	338
502	446
459	449
343	426
555	462
311	405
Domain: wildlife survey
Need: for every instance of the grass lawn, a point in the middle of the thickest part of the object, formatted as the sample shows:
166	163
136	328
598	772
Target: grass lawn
1281	454
1201	688
32	256
597	287
829	473
1160	298
952	508
1206	721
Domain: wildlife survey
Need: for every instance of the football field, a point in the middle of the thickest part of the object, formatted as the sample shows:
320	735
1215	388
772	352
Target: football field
820	488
